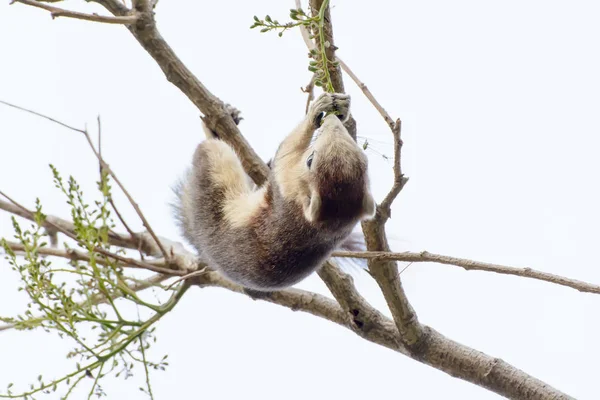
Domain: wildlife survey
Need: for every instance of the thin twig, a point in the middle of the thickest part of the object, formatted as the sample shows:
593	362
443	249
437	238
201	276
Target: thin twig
105	166
188	276
471	265
310	89
126	193
399	179
367	93
97	299
110	200
60	12
396	127
42	116
405	268
128	261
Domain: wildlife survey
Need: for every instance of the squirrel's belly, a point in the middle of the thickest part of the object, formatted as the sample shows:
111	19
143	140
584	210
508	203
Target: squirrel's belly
275	270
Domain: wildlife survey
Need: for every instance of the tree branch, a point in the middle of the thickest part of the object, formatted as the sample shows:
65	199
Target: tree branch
361	318
156	266
441	353
106	167
143	241
60	12
405	335
471	265
385	272
72	235
216	117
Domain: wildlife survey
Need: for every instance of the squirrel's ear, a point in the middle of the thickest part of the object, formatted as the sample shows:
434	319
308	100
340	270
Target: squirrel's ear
368	205
312	207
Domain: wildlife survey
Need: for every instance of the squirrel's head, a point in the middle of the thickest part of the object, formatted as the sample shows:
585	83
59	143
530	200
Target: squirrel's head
336	176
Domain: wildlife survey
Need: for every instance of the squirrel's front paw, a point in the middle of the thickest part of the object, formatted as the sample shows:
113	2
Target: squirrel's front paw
234	112
339	103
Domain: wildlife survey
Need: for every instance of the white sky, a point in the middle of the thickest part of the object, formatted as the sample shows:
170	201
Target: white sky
499	103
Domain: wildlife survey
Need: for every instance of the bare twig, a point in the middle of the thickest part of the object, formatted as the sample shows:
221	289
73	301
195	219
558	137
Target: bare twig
127	261
133	203
136	207
60	12
42	116
396	127
132	234
188	276
310	89
145	243
471	265
72	254
105	166
101	167
367	93
399	178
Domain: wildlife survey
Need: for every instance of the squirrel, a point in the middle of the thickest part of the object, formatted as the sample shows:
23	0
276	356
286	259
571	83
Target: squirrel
271	237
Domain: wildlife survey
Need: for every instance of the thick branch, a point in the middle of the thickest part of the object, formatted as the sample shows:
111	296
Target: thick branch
360	317
216	117
387	277
471	265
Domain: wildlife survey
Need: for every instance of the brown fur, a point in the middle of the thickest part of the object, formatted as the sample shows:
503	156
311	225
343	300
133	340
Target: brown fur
273	237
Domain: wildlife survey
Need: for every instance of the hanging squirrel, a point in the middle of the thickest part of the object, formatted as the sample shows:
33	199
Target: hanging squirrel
274	236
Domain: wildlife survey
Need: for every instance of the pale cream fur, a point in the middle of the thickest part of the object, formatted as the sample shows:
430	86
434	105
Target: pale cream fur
242	202
239	211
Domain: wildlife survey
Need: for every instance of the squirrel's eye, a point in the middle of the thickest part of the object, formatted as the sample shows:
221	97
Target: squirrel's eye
310	159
